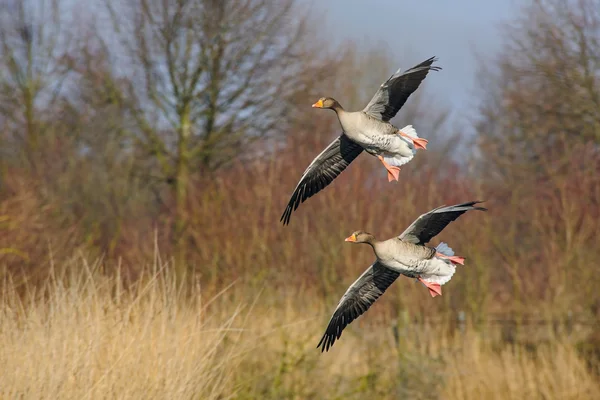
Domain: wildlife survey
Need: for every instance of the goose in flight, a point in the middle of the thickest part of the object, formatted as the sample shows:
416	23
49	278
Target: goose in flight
406	254
369	130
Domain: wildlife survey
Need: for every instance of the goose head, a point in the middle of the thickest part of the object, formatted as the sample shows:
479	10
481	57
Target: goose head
328	102
360	237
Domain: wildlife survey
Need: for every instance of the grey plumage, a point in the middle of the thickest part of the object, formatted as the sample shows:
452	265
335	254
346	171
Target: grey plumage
357	300
367	129
428	225
394	92
405	254
322	171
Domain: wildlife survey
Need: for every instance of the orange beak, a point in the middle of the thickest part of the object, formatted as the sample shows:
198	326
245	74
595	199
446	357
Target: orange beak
351	238
318	104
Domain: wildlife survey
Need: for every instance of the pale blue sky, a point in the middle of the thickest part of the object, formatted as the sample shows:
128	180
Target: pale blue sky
453	30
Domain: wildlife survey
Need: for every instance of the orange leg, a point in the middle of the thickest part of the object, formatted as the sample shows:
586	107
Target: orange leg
435	289
454	259
419	143
393	171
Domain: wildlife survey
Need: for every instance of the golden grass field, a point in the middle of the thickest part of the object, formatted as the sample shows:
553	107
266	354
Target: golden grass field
83	336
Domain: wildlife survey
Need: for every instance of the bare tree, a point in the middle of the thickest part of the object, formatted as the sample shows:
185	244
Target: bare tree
33	40
208	78
545	96
539	131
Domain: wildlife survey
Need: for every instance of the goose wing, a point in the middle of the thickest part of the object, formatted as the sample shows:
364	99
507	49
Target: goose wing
393	93
357	300
322	171
428	225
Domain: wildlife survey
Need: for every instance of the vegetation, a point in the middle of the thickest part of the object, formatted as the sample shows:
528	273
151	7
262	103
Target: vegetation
144	164
83	335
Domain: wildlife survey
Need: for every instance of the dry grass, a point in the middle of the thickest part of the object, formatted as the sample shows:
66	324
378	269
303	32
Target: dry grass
84	336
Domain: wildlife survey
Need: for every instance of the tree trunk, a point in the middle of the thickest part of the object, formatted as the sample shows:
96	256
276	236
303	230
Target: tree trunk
181	188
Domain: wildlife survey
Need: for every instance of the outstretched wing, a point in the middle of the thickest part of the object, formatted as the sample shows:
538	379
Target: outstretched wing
357	300
393	93
322	171
428	225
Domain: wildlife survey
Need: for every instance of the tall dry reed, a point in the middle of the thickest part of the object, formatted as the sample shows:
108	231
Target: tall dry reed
82	335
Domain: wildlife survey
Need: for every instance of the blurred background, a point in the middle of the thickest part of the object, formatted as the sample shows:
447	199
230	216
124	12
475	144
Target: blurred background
149	147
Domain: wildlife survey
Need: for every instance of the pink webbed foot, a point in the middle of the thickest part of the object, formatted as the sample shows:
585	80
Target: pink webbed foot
454	259
435	289
419	143
393	172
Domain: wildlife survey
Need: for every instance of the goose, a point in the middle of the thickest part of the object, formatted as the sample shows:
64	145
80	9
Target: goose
369	130
406	254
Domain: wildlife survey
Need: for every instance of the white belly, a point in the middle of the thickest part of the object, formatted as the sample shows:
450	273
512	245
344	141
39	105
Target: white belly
376	137
378	144
434	270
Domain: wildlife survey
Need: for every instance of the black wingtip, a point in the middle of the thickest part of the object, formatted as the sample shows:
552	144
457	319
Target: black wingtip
287	214
326	342
470	205
430	61
322	344
478	202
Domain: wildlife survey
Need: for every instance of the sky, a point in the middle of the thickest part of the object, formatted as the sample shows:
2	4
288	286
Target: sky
455	31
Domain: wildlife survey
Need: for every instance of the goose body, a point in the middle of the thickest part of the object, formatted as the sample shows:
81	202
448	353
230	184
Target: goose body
406	258
427	264
406	254
368	129
376	137
430	265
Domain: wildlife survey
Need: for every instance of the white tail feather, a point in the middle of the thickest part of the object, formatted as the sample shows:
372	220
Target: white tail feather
397	159
438	271
410	131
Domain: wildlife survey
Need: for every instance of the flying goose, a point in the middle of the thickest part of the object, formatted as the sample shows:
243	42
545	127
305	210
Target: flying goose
405	254
368	129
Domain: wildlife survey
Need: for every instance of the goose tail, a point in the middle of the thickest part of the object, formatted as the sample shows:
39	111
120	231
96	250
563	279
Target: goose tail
398	160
